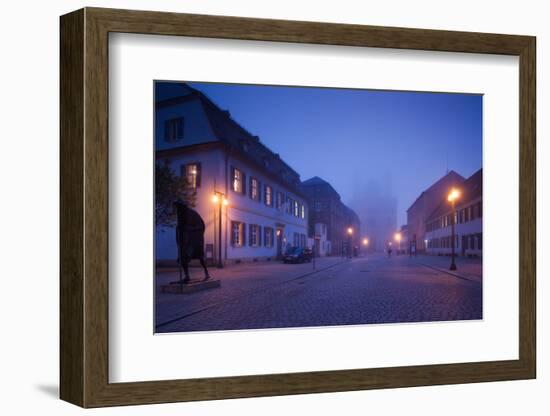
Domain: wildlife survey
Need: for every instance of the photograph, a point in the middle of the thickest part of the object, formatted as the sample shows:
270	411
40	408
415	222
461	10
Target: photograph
294	206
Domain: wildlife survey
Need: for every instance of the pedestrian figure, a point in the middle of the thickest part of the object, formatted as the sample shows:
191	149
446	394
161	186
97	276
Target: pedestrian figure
190	239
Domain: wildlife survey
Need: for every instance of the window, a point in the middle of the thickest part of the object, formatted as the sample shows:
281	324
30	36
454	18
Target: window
173	129
303	211
254	238
296	240
192	172
268	196
296	208
237	234
288	205
279	200
238	181
254	189
268	236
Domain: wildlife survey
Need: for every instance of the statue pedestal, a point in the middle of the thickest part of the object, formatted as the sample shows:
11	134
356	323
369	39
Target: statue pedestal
191	287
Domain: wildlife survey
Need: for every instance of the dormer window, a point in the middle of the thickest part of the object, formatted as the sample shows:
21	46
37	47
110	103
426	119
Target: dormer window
173	129
244	145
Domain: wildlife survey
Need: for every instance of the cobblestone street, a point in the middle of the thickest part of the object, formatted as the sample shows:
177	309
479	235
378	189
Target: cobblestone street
375	289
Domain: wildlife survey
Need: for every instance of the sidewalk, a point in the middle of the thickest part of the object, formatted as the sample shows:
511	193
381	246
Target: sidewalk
236	280
466	268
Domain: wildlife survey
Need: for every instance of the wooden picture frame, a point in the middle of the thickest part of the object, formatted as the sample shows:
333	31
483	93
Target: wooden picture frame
84	207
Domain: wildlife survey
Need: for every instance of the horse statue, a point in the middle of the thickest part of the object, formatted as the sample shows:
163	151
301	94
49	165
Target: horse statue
190	239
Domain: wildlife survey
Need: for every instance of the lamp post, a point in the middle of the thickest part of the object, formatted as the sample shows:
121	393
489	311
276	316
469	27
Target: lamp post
452	197
365	244
350	233
220	199
397	237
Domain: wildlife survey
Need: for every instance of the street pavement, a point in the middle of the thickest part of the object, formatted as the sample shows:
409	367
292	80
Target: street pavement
364	290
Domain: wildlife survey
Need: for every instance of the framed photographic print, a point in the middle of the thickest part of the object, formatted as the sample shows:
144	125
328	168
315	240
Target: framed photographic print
255	207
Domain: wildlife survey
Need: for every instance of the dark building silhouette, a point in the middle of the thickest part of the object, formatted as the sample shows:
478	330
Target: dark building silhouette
326	207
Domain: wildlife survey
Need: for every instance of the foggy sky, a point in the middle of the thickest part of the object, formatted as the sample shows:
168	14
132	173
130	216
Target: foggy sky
404	140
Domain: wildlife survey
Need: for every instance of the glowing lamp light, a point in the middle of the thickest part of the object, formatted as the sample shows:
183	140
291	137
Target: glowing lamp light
225	202
453	195
365	241
397	236
215	199
350	231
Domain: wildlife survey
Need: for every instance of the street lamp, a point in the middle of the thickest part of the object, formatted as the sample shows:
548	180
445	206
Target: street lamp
397	237
452	197
350	233
220	200
365	243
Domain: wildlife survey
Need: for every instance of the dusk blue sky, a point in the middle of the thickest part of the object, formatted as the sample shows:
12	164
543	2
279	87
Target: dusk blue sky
348	137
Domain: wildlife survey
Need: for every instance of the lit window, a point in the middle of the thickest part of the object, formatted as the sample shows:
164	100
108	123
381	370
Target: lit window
303	213
296	208
173	129
238	181
237	234
254	189
268	196
192	172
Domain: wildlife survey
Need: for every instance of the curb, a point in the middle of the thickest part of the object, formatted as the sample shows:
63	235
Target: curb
454	274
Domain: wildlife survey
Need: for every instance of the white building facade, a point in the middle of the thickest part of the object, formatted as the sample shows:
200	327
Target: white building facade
468	222
263	211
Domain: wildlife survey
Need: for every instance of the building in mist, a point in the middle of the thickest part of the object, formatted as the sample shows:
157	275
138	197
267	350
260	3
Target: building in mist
422	208
468	220
377	210
327	208
267	209
404	246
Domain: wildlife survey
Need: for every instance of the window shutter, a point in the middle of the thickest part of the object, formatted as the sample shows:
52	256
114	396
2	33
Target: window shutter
166	133
243	225
232	233
180	128
250	234
243	183
199	170
259	191
259	235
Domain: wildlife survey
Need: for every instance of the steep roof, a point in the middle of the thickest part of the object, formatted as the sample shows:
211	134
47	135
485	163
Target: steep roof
471	188
231	133
451	175
316	181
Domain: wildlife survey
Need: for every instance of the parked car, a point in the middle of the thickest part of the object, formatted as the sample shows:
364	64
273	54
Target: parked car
298	255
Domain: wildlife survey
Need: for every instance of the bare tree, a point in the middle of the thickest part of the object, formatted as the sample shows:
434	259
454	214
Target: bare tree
170	187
